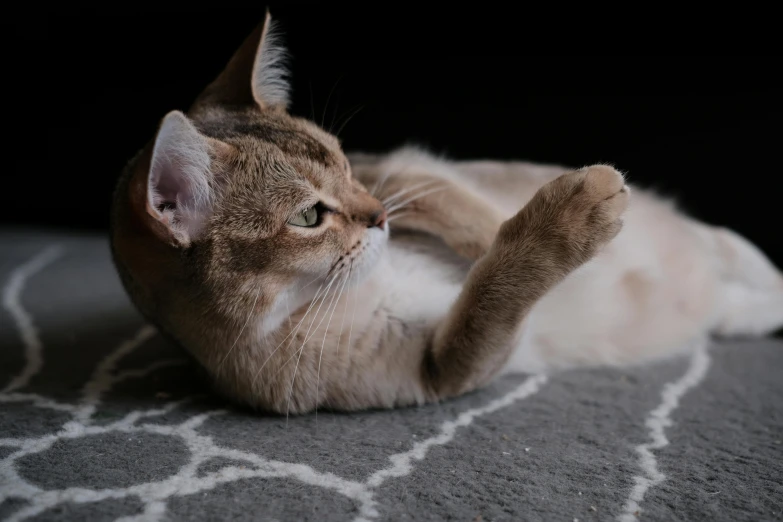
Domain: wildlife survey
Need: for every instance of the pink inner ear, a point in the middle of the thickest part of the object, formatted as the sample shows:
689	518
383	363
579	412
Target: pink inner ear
169	187
179	176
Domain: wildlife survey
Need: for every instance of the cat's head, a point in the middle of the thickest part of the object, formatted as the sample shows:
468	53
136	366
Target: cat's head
249	190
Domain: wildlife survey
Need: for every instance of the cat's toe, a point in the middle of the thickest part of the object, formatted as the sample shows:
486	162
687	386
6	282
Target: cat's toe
603	181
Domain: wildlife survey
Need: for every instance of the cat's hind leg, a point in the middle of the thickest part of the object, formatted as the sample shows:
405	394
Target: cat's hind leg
419	194
750	287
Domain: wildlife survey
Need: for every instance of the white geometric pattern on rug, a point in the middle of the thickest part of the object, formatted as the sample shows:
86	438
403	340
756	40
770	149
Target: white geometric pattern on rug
186	480
657	421
202	448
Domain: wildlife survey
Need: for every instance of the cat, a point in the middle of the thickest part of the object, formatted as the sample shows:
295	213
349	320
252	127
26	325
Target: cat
301	277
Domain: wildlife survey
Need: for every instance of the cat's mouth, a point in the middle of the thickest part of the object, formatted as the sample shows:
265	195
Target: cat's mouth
346	261
362	255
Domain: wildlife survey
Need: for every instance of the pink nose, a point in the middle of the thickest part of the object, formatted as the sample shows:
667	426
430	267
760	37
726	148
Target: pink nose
378	219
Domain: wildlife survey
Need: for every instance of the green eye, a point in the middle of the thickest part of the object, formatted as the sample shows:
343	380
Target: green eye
306	218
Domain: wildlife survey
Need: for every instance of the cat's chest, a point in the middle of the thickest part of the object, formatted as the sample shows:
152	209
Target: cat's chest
425	275
417	251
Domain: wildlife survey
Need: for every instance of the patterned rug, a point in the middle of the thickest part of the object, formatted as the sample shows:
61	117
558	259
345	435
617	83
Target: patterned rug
101	419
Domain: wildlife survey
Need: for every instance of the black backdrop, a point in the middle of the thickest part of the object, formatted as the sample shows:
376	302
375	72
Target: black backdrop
89	87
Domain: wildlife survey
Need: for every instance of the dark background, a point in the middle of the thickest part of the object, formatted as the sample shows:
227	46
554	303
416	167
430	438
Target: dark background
89	87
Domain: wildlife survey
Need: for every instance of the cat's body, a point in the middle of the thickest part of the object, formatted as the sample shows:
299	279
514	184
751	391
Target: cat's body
243	234
664	280
645	294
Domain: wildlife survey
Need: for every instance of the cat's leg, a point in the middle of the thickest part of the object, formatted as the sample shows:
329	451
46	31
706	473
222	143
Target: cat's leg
418	198
750	287
562	227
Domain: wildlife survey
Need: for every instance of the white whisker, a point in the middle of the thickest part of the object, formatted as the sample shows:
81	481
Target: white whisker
288	313
298	351
249	315
414	198
345	310
407	190
380	182
397	216
290	333
322	299
323	343
311	282
301	350
354	113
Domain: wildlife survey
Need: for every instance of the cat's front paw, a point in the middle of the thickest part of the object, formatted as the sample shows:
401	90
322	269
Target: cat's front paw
570	218
599	197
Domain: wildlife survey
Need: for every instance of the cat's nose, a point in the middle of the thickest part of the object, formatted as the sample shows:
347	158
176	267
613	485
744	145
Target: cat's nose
378	219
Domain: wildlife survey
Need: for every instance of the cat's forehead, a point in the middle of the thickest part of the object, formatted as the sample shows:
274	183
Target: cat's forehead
294	138
278	152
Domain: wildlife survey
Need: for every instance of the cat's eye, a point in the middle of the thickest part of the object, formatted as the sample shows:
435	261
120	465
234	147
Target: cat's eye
306	218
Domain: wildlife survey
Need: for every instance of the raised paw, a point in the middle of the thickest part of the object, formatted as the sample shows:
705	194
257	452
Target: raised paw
599	190
570	218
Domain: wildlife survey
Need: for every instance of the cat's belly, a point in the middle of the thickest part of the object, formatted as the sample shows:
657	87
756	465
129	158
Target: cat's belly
644	296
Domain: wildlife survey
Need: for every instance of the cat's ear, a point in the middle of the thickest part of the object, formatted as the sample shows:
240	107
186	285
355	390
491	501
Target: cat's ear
179	183
256	74
268	80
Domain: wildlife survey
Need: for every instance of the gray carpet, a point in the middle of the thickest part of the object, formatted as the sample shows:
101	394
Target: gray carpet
101	419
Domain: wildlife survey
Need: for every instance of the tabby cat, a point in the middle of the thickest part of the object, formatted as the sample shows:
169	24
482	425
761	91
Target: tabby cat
249	237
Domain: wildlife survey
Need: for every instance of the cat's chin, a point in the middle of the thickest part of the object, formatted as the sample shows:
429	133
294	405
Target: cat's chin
372	254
